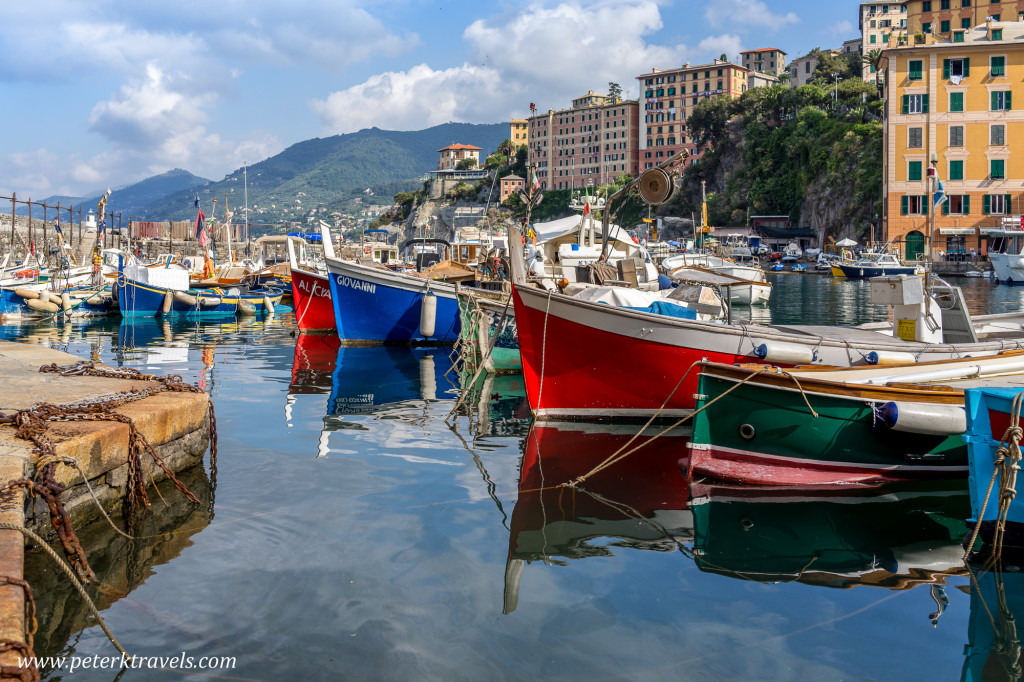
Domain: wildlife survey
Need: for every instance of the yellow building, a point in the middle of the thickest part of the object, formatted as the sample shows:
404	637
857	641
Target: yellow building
520	131
940	17
950	105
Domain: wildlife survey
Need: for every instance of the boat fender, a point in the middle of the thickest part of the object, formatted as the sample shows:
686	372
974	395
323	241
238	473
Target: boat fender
889	358
44	296
210	301
1018	264
246	307
98	299
42	306
26	293
923	418
65	301
268	305
785	353
167	303
428	314
187	299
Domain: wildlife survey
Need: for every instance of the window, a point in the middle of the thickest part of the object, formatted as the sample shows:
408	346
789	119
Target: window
958	37
914	171
956	139
956	101
926	27
914	140
997	66
965	3
956	67
926	6
995	17
997	135
956	170
914	71
912	205
997	169
957	204
915	104
885	38
1001	100
996	204
965	24
944	27
872	38
997	34
943	4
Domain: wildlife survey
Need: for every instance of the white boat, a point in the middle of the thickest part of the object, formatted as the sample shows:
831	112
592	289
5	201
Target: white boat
791	253
1006	253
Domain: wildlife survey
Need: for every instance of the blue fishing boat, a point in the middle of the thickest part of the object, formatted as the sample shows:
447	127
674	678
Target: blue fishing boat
374	305
877	265
164	291
993	453
777	267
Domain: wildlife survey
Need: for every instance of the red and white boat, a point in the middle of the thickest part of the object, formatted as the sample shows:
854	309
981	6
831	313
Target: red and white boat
311	293
584	360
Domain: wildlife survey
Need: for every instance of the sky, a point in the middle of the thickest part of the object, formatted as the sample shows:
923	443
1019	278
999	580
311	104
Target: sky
110	92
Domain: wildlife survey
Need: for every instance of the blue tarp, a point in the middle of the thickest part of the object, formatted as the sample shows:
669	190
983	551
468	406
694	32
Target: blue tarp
669	310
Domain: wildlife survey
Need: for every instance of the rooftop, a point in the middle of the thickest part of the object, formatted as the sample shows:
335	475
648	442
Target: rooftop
764	49
454	147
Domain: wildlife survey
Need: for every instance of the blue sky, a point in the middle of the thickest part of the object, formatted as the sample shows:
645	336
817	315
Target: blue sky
110	92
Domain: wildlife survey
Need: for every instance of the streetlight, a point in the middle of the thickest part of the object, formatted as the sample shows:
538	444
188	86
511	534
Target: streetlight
836	97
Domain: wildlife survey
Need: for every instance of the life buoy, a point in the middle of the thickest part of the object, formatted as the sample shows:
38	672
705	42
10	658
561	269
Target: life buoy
366	250
25	274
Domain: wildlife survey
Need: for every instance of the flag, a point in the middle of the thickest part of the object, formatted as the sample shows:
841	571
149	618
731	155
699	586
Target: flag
56	226
200	219
536	183
102	226
197	201
939	195
586	209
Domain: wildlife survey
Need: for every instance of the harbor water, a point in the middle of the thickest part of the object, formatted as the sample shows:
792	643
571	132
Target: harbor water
351	532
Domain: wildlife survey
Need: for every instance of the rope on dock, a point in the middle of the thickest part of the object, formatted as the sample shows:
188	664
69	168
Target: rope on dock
1005	468
66	569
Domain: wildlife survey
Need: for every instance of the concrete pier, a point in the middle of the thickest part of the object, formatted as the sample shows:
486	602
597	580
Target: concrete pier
176	424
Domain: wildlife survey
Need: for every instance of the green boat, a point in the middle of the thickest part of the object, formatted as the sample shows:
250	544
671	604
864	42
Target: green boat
488	339
820	426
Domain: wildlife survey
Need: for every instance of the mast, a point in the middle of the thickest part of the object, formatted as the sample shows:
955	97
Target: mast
245	191
227	224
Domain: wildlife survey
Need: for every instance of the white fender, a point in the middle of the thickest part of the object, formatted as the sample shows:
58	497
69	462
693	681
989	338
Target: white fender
784	353
885	358
269	305
428	314
187	299
41	305
924	418
65	301
167	303
26	293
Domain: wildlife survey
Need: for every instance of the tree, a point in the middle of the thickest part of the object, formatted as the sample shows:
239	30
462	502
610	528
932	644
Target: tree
707	124
873	59
466	164
614	92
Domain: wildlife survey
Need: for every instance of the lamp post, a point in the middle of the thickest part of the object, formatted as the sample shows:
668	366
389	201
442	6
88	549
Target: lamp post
835	96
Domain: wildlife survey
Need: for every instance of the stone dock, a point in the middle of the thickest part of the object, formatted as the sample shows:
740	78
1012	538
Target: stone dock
176	424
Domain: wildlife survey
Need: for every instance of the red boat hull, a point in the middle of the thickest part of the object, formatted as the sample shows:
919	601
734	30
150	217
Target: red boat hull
314	313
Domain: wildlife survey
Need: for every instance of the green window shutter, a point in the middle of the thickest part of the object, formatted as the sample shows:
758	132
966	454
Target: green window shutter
967	204
1006	100
914	170
995	101
924	104
945	207
1006	204
967	67
986	204
945	69
906	104
905	204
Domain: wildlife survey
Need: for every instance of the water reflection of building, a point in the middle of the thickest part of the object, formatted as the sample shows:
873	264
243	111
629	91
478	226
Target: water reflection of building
638	502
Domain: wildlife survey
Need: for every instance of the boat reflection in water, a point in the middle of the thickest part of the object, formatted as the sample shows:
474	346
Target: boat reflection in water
895	536
993	650
122	565
496	405
638	502
386	382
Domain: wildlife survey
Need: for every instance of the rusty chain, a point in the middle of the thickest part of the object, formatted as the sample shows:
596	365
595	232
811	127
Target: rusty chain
31	624
12	672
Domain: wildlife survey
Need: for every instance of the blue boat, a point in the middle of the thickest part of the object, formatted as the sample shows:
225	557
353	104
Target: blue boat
164	291
777	267
799	267
40	302
990	413
374	305
877	265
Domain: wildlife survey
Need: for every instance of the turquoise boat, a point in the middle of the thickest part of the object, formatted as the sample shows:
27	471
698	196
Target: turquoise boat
488	339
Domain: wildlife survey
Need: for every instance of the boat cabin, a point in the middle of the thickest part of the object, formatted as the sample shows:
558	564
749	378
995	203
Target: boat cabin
376	247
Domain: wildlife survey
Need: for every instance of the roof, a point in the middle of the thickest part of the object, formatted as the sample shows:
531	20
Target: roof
698	67
459	146
764	49
511	177
785	232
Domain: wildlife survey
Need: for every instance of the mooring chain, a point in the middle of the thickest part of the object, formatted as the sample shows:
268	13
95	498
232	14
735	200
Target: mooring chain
31	625
11	672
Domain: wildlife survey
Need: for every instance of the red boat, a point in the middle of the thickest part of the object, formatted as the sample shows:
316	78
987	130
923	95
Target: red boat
314	313
586	360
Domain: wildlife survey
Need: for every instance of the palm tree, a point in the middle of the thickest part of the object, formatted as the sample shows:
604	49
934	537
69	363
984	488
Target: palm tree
873	59
508	148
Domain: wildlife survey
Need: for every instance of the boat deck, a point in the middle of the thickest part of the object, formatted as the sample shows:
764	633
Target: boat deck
850	334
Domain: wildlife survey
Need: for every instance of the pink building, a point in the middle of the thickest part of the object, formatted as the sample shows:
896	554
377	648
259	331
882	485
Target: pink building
453	153
510	184
589	144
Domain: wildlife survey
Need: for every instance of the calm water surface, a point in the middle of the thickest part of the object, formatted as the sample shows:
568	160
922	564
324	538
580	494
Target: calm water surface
354	534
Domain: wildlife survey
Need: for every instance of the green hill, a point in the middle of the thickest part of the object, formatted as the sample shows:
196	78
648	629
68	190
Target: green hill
132	199
332	173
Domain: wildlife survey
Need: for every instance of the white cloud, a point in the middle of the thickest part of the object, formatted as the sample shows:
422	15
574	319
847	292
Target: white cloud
843	29
753	13
540	54
728	44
